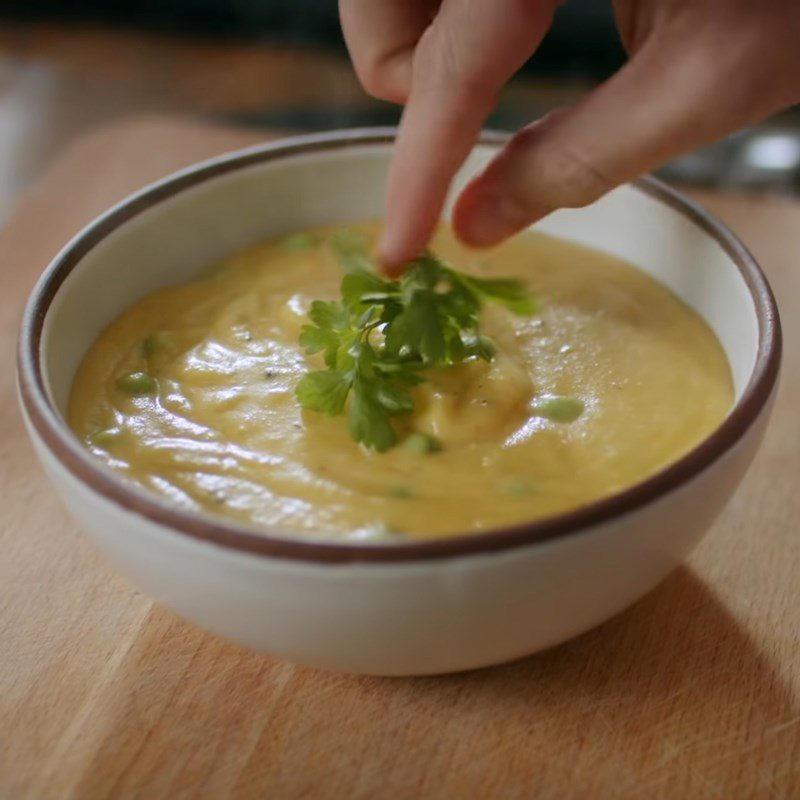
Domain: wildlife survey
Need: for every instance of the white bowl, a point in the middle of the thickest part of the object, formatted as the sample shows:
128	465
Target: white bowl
453	604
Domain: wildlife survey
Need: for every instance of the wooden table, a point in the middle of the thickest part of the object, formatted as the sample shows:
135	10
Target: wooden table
693	693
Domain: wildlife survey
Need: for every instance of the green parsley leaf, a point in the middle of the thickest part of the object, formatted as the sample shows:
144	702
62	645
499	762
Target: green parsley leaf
329	315
315	339
360	289
331	326
324	391
418	330
506	291
394	397
428	318
368	417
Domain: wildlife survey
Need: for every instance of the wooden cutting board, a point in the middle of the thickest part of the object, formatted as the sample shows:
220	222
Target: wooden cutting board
693	693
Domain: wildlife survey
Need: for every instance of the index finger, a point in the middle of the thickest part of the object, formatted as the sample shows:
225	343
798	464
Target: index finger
464	57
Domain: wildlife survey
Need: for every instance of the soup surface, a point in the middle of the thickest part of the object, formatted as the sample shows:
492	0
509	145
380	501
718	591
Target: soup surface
190	393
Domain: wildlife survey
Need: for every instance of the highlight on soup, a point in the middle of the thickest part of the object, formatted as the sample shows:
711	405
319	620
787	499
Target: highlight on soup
462	406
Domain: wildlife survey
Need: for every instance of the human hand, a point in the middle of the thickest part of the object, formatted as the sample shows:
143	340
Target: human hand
697	71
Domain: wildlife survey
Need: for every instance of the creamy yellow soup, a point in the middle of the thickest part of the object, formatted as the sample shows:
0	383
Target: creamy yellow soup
190	393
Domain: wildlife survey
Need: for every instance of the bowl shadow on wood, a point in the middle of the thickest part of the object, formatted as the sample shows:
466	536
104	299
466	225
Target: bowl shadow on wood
651	700
673	683
647	705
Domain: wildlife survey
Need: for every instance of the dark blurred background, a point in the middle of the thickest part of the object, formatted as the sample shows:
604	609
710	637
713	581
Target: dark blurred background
585	26
66	65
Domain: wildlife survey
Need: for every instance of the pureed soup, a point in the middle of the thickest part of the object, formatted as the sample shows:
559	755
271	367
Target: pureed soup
191	394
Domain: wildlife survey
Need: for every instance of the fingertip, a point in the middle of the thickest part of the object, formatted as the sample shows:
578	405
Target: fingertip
392	255
464	214
401	242
391	269
484	216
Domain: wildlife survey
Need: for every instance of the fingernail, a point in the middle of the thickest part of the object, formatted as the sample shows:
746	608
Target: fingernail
490	218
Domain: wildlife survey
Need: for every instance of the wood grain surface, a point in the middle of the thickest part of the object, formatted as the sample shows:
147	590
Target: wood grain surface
693	693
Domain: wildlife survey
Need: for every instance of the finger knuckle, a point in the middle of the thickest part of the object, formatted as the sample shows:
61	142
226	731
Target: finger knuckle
376	79
441	59
580	181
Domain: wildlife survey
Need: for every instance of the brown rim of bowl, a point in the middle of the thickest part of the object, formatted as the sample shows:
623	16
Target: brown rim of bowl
73	456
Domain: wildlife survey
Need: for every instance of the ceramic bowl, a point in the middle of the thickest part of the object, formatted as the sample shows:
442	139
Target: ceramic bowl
417	608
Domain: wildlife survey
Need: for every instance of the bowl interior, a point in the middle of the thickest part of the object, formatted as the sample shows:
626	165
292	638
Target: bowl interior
182	226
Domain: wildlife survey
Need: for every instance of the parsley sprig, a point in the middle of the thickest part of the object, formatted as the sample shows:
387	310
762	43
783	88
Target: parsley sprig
380	337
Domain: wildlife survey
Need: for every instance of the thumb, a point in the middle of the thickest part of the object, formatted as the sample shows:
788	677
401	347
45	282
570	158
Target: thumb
673	96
